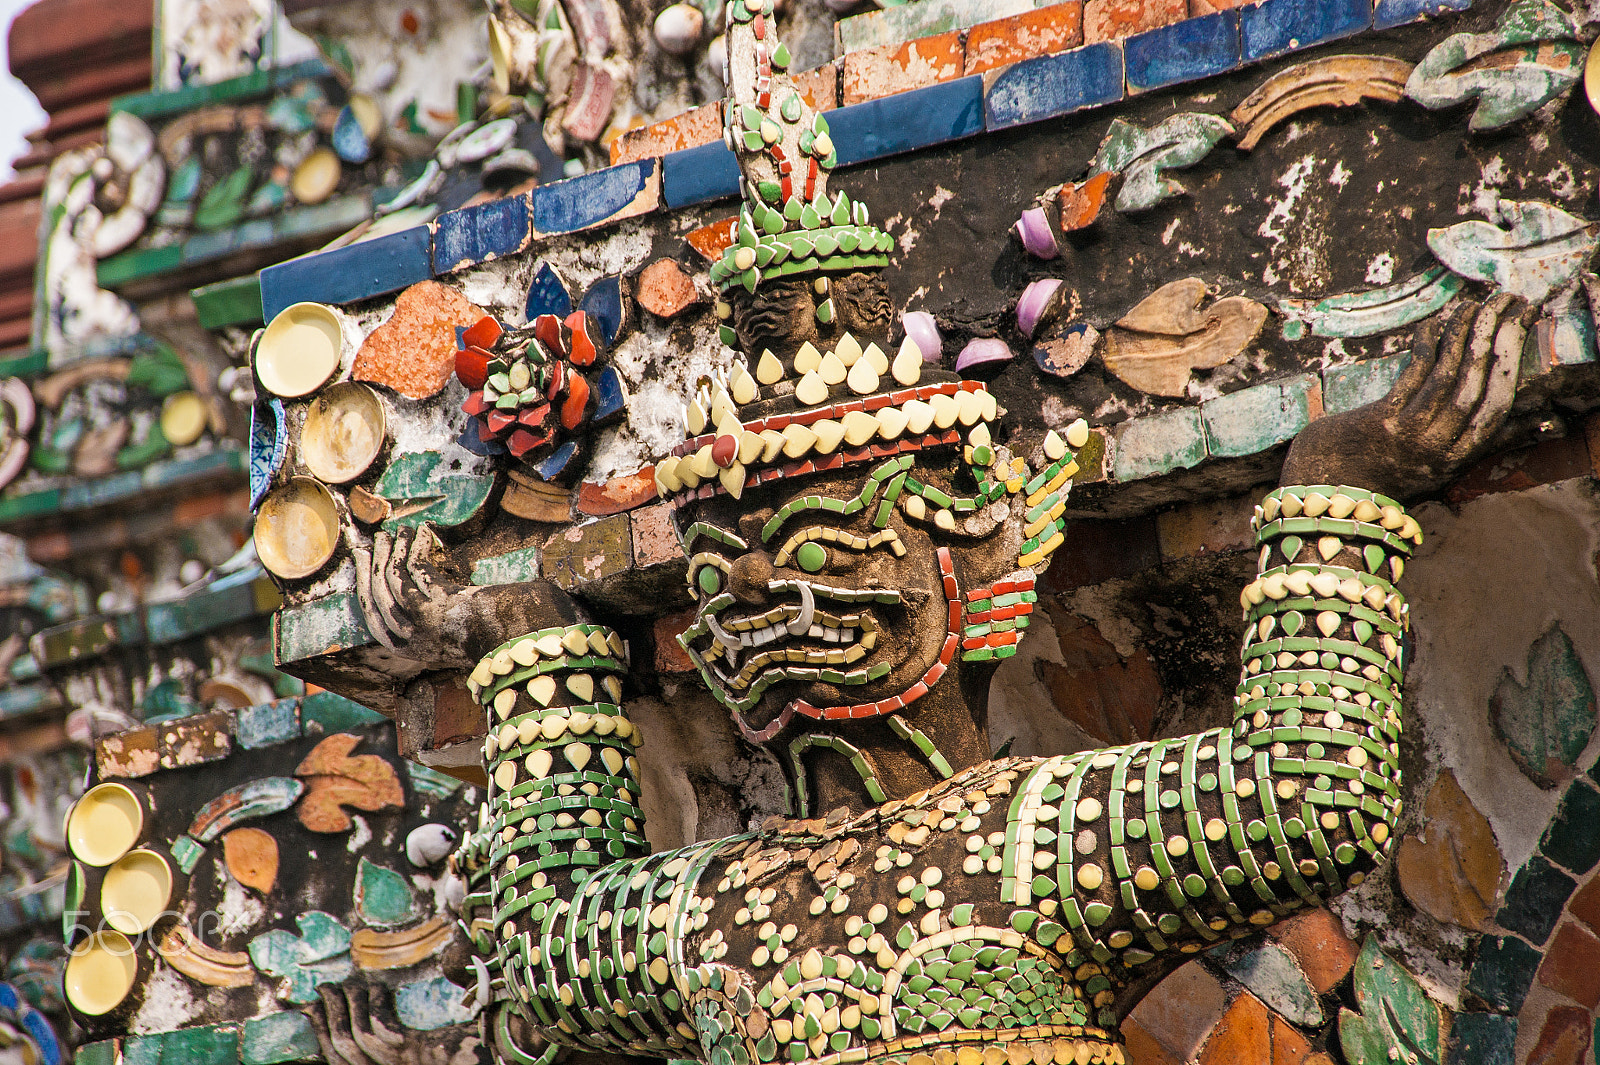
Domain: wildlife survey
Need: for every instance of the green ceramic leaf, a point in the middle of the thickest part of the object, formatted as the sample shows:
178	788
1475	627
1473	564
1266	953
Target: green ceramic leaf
1397	1022
421	491
224	202
1546	722
318	955
382	896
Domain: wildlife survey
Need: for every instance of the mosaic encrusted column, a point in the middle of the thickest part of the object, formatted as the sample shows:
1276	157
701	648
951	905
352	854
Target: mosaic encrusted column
574	924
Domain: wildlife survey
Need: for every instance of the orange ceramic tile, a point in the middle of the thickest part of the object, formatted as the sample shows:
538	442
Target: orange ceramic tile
1289	1047
1207	7
1585	905
1317	940
664	290
819	86
874	72
1143	1048
1564	1037
618	494
1243	1034
702	125
1109	20
713	238
1081	201
1007	40
670	656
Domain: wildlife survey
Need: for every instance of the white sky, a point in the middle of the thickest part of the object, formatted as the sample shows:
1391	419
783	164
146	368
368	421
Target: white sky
20	113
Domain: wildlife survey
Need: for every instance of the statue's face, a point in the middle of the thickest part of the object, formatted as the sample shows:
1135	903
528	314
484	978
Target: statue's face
813	590
782	314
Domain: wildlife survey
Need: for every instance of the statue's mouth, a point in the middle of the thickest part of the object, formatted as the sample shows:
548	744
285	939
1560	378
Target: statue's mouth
797	641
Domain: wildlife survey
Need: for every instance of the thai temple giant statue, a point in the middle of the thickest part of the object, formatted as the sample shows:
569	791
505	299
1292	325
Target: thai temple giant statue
864	534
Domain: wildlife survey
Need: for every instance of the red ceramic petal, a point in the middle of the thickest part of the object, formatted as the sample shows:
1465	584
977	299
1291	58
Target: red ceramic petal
483	333
475	404
472	367
557	382
577	399
521	442
499	419
547	329
534	417
585	340
724	450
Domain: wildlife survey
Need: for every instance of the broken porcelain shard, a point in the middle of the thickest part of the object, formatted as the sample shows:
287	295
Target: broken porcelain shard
981	351
1333	81
1037	234
924	332
1040	302
1155	346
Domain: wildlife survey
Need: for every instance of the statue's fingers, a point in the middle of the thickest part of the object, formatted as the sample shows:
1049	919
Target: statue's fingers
1424	347
394	573
319	1025
1434	396
388	608
1499	385
421	564
369	609
337	1012
361	1029
1481	352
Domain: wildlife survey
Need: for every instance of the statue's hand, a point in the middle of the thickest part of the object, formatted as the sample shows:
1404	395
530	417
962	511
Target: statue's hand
414	606
1444	412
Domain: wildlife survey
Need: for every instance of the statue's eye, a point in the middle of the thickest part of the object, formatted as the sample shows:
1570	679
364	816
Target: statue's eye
811	557
709	579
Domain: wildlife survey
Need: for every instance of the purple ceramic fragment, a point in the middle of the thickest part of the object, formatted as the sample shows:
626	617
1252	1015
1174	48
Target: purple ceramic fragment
982	350
1039	301
924	333
1037	234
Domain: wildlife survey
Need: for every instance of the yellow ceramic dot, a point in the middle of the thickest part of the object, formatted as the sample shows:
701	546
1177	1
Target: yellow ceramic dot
1146	879
1330	820
1178	845
1090	877
1088	809
1244	788
744	258
1216	829
1287	789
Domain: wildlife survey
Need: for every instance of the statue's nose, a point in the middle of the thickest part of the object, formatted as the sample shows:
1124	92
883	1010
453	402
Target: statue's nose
748	577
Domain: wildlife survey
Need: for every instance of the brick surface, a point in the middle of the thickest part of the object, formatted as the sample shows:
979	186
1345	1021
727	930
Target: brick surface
700	125
1207	528
1544	463
1005	41
670	656
1316	938
819	86
889	69
1109	20
1569	965
1208	7
1182	1010
654	542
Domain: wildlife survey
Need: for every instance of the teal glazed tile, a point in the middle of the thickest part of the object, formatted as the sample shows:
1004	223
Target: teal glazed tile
1571	840
1273	27
101	1053
590	199
327	712
1159	443
1535	899
1503	972
1052	85
1348	387
268	723
277	1038
370	268
1251	420
876	129
479	233
207	610
322	626
1482	1039
1183	51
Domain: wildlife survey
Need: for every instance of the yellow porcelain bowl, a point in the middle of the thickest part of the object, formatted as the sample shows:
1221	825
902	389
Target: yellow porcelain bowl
136	891
297	528
343	432
104	824
299	350
100	973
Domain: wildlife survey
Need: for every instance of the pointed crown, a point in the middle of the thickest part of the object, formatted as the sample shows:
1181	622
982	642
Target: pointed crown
788	225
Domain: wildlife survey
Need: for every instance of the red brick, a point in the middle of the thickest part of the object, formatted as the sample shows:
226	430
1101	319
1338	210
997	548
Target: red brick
819	86
1544	463
1109	20
1564	1040
654	541
1181	1011
664	289
1206	528
1032	33
1570	965
1585	905
617	494
456	714
1317	940
883	71
670	656
1207	7
695	127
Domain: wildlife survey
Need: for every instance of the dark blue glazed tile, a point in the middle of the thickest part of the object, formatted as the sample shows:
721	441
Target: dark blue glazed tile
1571	839
1535	899
1482	1039
269	444
589	199
1184	51
1398	12
699	175
1053	85
1273	27
1503	972
905	121
547	294
370	268
557	461
603	303
349	139
610	396
474	234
